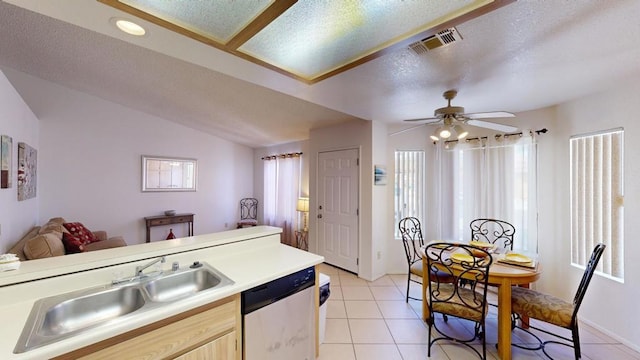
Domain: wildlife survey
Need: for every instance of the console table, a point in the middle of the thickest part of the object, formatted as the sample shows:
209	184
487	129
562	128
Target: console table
168	220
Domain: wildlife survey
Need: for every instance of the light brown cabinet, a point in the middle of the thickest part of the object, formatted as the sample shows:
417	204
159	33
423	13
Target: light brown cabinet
212	331
220	349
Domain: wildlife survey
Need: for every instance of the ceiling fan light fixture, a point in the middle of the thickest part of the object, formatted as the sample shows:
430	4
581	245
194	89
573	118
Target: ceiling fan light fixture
444	132
452	118
462	133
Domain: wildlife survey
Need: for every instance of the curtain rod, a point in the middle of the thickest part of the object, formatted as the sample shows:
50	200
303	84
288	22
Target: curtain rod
282	156
497	136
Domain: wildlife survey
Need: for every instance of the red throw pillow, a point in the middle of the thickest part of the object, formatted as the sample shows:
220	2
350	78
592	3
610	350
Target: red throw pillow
72	243
78	230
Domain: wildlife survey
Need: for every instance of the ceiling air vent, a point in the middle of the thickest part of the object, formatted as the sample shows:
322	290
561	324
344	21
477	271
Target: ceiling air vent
442	38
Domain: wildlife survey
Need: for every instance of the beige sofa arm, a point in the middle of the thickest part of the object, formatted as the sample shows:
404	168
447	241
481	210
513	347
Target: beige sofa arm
100	234
115	241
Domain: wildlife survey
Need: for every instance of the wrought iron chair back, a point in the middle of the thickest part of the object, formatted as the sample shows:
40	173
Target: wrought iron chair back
411	238
248	212
586	277
531	303
468	302
493	231
412	241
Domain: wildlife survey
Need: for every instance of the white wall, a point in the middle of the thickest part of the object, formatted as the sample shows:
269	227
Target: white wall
380	211
353	135
90	165
18	122
416	139
608	305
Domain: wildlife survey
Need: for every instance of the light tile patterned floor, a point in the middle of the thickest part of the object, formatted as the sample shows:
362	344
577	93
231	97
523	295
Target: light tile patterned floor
371	321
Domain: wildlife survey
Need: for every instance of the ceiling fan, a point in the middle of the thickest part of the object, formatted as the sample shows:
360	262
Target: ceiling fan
453	117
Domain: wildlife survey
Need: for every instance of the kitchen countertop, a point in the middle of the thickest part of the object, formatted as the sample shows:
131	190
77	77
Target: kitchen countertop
250	257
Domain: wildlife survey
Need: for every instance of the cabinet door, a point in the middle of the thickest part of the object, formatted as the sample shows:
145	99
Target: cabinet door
223	348
172	338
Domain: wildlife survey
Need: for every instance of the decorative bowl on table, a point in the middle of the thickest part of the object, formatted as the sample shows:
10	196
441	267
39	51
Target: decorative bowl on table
169	212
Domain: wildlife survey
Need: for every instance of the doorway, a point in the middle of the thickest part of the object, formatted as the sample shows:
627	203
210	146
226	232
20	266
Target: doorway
337	208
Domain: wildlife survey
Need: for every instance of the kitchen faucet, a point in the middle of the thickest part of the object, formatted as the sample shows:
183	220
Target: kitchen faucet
140	269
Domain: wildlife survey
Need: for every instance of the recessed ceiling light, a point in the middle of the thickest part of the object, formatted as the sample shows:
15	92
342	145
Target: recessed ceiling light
129	27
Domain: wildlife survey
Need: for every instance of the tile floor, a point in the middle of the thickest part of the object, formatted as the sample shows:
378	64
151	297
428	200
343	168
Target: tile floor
371	321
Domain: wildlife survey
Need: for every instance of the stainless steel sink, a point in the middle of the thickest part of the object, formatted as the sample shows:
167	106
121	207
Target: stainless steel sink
62	316
82	312
181	284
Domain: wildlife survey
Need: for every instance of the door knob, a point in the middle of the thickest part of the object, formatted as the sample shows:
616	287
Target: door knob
319	216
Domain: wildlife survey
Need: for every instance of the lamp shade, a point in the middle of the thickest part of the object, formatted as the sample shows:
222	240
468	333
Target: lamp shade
303	204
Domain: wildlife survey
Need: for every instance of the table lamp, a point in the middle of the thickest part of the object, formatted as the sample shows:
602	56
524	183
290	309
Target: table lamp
303	207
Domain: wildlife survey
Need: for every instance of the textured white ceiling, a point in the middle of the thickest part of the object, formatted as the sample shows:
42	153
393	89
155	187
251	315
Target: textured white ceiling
526	55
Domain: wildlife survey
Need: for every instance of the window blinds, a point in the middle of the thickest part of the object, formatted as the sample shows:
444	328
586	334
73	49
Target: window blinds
410	185
597	207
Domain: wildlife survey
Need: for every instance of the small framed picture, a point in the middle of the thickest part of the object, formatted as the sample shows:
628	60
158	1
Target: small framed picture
6	148
379	175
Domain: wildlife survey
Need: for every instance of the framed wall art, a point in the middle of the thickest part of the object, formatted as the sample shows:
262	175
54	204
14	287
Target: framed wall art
27	171
169	174
6	154
380	175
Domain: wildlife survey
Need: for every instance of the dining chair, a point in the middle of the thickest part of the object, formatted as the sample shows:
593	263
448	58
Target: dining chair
413	241
552	310
493	231
248	212
468	303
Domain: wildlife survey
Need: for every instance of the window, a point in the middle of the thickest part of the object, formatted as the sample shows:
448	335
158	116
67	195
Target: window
493	177
281	193
597	209
409	186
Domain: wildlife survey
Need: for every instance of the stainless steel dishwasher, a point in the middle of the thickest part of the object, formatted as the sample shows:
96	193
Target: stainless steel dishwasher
279	318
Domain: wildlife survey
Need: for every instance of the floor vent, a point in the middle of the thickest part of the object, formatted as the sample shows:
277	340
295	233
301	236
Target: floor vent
442	38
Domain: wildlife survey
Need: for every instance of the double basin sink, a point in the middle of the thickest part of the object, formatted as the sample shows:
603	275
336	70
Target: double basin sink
66	315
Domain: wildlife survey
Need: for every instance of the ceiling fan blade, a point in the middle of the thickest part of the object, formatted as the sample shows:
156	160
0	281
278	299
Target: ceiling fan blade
407	129
429	120
489	115
492	126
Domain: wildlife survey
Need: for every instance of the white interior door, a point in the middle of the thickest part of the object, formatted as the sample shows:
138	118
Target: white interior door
337	208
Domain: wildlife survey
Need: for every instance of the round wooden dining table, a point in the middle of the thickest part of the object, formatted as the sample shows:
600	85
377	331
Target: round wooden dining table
504	276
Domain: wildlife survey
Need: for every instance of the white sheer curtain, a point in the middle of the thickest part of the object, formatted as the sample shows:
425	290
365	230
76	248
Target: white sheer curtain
489	178
281	190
